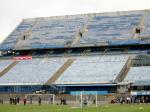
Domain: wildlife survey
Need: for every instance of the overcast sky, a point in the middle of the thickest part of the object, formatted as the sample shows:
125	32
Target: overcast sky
13	11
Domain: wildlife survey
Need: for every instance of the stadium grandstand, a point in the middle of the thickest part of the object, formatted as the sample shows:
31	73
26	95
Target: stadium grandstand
106	53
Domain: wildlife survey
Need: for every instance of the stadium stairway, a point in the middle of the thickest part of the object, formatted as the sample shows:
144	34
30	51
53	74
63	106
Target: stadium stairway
30	30
124	71
77	38
81	32
59	72
13	64
141	26
26	34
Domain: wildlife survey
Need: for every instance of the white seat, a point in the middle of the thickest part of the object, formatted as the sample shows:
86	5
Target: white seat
36	71
102	69
141	73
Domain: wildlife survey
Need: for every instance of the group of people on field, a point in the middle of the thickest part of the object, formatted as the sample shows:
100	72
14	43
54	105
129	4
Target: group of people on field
25	101
1	101
131	99
14	100
17	100
63	101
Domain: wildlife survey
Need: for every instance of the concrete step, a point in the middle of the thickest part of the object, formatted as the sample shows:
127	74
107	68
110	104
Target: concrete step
60	72
13	64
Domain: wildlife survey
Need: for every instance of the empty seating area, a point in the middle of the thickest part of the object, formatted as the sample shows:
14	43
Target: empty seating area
102	69
30	72
18	33
101	52
53	33
91	69
89	29
146	31
107	28
4	64
141	60
138	74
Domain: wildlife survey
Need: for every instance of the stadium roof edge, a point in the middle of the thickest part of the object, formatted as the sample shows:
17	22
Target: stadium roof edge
101	84
89	14
124	46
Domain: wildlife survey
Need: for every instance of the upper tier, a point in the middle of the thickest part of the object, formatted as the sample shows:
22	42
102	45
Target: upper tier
113	28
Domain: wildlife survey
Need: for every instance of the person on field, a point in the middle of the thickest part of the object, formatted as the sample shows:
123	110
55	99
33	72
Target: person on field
10	100
31	100
39	100
24	101
18	100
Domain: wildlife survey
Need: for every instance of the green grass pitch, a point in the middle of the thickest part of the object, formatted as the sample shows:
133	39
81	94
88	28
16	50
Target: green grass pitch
55	108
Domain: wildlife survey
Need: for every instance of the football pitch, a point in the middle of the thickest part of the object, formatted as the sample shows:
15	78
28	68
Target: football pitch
59	108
